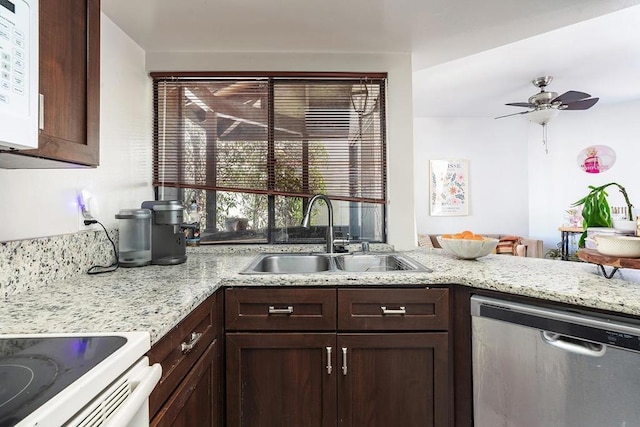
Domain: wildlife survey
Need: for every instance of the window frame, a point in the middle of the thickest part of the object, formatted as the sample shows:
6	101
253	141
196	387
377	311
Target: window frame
271	140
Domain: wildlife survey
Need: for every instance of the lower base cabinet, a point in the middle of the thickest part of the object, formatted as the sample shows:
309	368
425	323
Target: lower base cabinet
191	404
393	380
354	378
280	380
191	389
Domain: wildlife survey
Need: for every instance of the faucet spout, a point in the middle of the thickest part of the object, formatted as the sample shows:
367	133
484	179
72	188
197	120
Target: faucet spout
307	218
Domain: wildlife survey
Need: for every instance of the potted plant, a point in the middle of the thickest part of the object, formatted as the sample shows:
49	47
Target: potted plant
596	211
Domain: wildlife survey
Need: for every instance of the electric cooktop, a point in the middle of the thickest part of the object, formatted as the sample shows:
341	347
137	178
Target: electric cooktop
35	369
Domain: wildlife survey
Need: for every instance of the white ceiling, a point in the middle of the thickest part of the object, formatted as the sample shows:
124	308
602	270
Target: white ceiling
469	57
600	56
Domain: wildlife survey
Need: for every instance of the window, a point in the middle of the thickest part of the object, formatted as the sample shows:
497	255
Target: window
252	150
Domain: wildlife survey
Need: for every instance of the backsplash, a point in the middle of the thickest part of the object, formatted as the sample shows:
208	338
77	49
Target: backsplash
25	264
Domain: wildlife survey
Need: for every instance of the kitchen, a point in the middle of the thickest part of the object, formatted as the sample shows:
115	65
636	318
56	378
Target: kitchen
124	180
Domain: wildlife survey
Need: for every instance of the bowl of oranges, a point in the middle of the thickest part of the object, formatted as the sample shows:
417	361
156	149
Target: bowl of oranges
467	245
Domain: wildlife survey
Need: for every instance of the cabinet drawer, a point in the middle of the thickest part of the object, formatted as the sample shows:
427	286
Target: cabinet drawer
269	309
393	309
177	353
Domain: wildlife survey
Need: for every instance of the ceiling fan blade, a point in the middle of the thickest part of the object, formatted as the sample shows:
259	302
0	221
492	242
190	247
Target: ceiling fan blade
581	105
571	96
514	114
521	104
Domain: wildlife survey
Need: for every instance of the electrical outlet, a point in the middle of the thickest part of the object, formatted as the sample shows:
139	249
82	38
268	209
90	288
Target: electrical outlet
85	200
87	210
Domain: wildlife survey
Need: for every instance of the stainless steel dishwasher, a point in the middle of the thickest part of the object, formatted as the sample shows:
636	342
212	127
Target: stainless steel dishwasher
539	367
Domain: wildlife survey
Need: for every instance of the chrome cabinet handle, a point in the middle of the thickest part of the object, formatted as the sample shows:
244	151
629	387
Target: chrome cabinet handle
329	368
344	360
273	310
186	347
41	111
401	310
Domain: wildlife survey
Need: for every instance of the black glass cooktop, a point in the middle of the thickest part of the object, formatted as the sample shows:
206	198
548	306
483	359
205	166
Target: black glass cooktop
33	370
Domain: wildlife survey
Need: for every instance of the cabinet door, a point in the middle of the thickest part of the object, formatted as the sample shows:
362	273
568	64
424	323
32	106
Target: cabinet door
276	380
393	380
69	81
198	330
191	404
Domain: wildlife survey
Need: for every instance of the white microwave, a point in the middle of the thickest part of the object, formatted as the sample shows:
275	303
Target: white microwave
19	74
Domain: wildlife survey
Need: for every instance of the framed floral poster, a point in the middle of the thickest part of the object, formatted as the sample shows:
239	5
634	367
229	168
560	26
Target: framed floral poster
449	187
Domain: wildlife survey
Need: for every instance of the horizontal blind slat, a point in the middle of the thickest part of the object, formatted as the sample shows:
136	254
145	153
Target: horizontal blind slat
327	136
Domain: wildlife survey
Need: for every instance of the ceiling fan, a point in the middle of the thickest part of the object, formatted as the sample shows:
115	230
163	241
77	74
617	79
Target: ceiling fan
544	106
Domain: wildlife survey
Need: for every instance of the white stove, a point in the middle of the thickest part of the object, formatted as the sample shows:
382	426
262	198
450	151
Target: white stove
93	379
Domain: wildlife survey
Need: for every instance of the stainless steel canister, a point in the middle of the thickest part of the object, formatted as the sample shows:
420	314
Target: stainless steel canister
134	237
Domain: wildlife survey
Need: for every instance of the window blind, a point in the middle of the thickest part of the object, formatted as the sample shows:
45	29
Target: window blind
275	135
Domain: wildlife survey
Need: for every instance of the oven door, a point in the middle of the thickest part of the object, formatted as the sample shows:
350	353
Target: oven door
125	402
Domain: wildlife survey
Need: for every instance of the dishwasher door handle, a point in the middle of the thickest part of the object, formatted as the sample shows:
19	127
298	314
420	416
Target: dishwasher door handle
573	345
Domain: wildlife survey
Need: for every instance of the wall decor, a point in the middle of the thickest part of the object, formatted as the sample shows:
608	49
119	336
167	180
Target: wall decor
596	158
449	187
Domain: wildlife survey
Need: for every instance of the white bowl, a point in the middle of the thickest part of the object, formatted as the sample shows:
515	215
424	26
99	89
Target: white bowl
618	246
468	249
624	225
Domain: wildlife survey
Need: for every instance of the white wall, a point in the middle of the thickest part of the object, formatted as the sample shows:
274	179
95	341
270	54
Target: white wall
401	226
38	203
556	181
515	187
497	154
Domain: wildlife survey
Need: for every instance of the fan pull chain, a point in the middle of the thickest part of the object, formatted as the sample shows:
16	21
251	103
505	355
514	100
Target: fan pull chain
544	138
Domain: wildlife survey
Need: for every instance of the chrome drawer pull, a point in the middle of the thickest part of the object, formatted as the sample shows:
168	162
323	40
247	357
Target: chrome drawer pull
401	310
329	368
40	111
187	347
344	360
273	310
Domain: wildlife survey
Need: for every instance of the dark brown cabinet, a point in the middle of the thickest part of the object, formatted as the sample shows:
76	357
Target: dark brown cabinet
191	403
190	391
278	379
348	357
69	88
393	379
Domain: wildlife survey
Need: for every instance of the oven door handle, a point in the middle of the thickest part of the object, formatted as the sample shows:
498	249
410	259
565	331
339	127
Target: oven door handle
148	377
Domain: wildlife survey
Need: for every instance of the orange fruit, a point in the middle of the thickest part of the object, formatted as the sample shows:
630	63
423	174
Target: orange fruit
446	236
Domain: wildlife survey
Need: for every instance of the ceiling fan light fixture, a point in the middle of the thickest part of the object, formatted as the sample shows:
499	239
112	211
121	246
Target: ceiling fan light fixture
542	116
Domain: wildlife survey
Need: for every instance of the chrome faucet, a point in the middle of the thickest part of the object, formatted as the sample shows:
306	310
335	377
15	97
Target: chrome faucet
307	218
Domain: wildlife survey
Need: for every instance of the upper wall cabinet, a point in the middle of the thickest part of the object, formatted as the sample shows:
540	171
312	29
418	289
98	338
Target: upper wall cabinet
69	88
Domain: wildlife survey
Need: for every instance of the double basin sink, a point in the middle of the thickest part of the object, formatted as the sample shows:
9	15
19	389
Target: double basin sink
361	262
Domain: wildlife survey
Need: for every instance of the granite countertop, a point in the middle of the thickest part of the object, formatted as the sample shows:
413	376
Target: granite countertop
156	298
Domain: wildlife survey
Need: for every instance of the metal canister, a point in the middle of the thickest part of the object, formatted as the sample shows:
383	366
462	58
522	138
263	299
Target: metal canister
134	237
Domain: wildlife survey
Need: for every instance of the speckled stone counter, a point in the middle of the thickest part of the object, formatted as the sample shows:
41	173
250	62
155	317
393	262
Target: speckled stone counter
155	298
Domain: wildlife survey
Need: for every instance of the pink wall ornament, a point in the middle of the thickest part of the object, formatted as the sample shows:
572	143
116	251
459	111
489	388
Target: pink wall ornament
596	158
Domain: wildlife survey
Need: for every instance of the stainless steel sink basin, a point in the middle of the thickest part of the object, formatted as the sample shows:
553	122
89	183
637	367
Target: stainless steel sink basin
377	262
326	263
290	263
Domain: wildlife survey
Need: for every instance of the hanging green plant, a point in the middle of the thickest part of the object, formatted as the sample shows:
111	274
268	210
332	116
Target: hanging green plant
596	211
